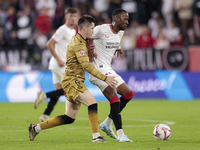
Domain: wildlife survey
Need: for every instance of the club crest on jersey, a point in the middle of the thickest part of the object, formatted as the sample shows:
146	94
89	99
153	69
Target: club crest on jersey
107	36
81	53
120	36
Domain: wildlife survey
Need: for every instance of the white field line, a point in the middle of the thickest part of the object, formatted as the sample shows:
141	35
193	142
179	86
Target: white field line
157	121
142	120
75	128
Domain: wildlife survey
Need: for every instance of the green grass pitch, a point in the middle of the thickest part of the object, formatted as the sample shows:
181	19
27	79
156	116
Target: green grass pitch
139	119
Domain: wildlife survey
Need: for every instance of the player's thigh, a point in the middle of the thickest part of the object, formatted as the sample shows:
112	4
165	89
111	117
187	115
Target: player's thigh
118	78
57	86
123	89
109	92
86	98
101	84
57	75
71	109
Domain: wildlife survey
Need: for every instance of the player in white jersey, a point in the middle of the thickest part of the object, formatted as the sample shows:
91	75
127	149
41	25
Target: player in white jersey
57	45
106	40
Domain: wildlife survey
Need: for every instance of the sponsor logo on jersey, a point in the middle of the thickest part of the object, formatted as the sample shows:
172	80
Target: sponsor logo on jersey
112	45
81	53
107	36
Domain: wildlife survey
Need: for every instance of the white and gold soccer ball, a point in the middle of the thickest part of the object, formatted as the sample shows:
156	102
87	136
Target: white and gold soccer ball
161	132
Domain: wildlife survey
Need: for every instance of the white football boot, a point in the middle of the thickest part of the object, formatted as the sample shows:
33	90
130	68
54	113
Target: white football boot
40	98
44	118
123	139
108	130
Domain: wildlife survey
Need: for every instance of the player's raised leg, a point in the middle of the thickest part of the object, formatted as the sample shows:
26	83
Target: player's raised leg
68	118
41	96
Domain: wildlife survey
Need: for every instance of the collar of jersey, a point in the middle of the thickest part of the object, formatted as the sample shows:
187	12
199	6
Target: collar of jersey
81	36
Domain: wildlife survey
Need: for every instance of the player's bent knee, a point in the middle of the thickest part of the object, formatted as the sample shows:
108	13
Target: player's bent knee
114	99
92	107
91	102
57	98
129	95
67	119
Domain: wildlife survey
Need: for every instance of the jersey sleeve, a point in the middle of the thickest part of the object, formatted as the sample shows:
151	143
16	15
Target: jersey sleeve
97	32
82	57
58	35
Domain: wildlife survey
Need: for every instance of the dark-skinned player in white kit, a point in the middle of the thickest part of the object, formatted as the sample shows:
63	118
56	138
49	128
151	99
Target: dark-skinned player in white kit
106	40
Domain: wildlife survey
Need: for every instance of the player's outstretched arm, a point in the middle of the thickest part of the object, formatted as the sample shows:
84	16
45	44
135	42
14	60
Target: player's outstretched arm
82	57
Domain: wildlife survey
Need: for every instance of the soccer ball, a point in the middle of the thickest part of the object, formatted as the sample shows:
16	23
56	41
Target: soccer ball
161	132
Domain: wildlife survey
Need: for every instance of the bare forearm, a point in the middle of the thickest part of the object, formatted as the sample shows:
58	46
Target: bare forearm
51	47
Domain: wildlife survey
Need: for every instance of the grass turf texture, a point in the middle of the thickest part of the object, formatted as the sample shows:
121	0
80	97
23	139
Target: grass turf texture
139	119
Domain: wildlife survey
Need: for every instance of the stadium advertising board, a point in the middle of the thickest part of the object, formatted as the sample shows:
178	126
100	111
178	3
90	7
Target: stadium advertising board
173	85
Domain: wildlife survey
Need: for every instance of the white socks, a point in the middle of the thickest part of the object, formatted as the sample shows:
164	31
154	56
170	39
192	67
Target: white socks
95	135
108	121
37	128
120	133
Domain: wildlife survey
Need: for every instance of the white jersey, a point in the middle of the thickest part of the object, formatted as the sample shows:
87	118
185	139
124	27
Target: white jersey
106	41
62	37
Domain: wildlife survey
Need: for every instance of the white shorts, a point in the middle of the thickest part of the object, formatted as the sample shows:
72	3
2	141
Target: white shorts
102	84
57	75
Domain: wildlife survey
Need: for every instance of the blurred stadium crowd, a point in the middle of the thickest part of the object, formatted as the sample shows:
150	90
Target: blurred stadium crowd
26	26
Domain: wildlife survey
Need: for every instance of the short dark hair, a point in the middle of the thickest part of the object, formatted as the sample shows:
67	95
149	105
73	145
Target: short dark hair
85	20
117	11
71	10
